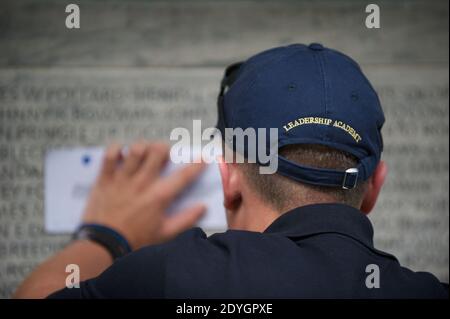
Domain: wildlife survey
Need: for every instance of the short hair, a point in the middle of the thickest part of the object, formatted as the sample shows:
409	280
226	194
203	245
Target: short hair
284	193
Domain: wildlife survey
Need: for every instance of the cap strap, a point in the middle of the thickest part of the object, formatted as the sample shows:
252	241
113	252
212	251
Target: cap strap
347	179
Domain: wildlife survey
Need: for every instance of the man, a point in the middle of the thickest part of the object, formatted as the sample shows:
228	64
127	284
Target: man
299	233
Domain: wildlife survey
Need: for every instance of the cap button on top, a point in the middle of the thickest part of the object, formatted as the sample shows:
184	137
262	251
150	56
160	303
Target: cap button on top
316	46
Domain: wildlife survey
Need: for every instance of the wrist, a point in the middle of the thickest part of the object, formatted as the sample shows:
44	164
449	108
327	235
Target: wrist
92	248
111	240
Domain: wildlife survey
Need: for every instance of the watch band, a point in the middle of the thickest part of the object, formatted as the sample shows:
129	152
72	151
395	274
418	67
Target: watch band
107	237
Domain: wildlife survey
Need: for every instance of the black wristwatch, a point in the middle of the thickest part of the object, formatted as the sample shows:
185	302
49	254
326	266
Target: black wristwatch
107	237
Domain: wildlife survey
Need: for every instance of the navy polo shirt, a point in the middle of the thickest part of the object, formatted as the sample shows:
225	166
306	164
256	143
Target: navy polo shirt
315	251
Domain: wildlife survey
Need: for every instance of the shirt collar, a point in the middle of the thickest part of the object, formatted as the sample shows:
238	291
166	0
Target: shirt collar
324	218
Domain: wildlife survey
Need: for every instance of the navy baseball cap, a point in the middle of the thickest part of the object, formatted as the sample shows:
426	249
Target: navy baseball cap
313	95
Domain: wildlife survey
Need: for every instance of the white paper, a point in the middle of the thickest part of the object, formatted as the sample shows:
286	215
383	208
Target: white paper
70	173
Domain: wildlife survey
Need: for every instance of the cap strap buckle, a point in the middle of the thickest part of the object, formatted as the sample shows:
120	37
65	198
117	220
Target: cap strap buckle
350	178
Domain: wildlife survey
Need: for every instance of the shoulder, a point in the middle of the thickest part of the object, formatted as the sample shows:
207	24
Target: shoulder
402	282
195	247
195	243
198	266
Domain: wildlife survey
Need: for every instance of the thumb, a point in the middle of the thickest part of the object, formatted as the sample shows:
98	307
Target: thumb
182	221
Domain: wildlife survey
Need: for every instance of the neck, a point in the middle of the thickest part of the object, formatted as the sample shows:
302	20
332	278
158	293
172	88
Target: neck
252	216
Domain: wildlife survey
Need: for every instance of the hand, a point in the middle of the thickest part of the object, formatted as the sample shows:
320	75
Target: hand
131	197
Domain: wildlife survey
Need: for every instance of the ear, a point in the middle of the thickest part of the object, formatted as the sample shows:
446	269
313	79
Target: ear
374	187
230	184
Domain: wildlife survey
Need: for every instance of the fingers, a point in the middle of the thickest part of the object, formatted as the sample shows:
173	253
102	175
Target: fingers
111	158
182	221
143	160
169	187
133	160
158	154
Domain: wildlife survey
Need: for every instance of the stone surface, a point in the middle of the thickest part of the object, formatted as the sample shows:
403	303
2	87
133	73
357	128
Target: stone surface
138	69
142	33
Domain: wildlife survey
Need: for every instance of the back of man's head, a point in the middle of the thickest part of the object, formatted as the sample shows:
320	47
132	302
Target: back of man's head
283	193
328	120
